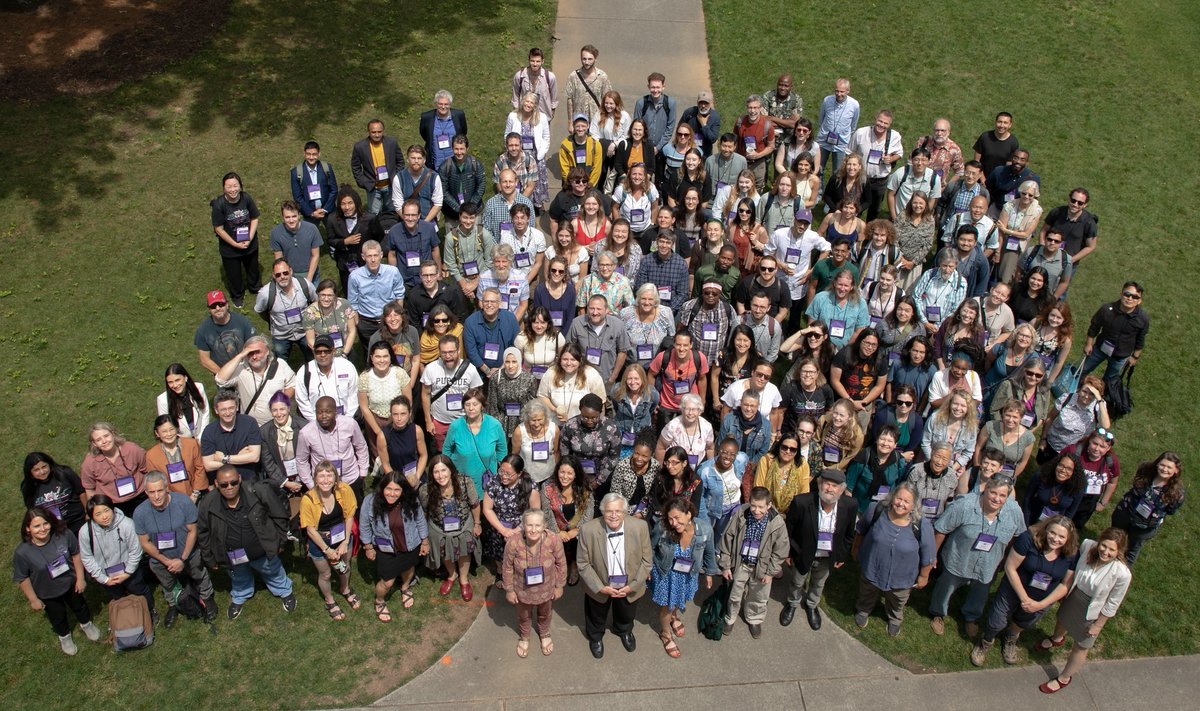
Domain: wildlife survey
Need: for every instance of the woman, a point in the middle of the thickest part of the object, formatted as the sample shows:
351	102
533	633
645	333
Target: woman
401	443
1030	297
914	369
330	316
1157	492
534	570
327	517
565	384
633	149
779	209
475	442
895	550
591	225
453	512
1056	490
848	182
953	422
684	547
1101	580
554	299
1018	221
184	400
899	327
635	475
689	432
959	376
672	156
859	374
690	212
111	554
1073	417
1053	328
723	477
345	227
568	496
735	362
805	394
395	537
610	126
235	222
440	322
844	223
1009	435
576	257
800	141
747	236
1029	388
607	282
648	323
509	388
279	436
534	127
378	386
838	437
936	483
782	472
635	404
689	176
178	458
1003	359
636	200
403	339
728	198
1102	468
49	571
114	467
1038	572
625	253
876	470
55	488
901	413
676	479
915	234
508	495
707	249
877	259
536	440
808	183
964	323
842	307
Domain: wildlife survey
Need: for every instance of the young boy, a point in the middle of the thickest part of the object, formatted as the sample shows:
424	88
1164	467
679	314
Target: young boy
752	552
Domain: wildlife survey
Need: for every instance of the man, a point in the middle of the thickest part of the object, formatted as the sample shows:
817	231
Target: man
658	112
664	224
765	282
768	334
836	122
945	157
418	182
769	400
821	530
939	292
326	374
566	205
751	554
666	270
336	439
1048	255
880	148
463	181
257	375
709	321
431	292
580	150
410	242
957	206
614	563
973	264
602	337
994	148
971	536
166	529
446	380
912	178
496	218
314	186
705	122
677	372
1077	226
591	440
1117	333
372	287
373	162
720	272
233	439
793	248
826	269
245	529
722	168
220	336
535	79
522	164
438	127
587	84
1004	180
487	332
297	241
756	139
784	108
468	249
512	286
282	304
528	244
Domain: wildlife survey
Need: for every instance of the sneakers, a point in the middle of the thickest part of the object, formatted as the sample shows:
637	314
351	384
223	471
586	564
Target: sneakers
972	629
238	303
235	609
210	609
91	631
172	615
68	645
1010	651
939	626
980	651
893	629
289	603
860	619
727	629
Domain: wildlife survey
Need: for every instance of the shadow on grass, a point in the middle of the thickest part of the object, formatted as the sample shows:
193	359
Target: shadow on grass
265	72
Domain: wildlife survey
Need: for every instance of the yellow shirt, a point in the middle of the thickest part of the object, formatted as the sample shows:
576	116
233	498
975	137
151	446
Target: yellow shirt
635	156
378	161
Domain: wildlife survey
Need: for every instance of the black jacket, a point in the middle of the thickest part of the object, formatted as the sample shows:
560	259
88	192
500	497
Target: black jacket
802	521
362	167
335	228
425	127
272	460
267	516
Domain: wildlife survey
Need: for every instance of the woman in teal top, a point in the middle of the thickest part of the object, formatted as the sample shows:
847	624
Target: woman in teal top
475	442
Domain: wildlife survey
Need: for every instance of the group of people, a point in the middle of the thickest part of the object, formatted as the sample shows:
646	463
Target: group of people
605	403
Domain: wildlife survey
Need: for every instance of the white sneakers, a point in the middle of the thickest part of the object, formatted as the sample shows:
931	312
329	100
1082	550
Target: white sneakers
68	645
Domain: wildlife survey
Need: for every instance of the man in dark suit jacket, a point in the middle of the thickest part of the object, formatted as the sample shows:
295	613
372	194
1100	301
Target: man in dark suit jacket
626	541
375	178
821	528
438	144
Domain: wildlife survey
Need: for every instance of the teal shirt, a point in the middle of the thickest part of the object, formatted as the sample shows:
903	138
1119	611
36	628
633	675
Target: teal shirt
962	523
475	454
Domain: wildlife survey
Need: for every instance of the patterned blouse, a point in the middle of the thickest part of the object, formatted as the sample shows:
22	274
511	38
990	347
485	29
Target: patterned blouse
618	290
534	572
507	395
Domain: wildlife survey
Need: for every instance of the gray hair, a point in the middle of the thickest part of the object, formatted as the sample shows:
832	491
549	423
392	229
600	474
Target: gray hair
260	338
609	256
941	445
947	255
532	407
886	505
689	400
443	94
504	250
645	289
530	513
611	497
154	478
996	483
751	395
371	244
754	99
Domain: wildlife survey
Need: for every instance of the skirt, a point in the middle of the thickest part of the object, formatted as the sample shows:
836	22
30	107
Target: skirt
452	546
389	566
1072	615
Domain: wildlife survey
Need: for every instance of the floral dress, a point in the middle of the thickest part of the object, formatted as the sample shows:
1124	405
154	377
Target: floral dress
676	589
1047	350
507	508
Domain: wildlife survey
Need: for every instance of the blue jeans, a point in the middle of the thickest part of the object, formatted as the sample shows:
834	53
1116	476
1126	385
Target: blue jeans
270	569
972	607
283	348
379	199
829	154
1112	372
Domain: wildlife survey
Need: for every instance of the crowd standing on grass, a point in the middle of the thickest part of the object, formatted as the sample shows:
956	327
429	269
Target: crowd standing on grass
690	375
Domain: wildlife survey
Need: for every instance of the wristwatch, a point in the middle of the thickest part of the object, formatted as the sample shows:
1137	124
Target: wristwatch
225	459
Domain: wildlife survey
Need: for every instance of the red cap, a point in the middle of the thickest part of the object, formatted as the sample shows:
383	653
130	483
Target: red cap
216	297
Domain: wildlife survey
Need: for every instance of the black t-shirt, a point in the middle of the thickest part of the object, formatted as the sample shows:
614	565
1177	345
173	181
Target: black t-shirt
232	215
779	293
60	495
1076	233
858	379
245	433
797	403
993	152
1023	307
240	532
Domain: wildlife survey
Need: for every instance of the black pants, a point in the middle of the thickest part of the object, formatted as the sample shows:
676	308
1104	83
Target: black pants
234	268
1087	507
595	615
873	192
1137	534
128	507
56	611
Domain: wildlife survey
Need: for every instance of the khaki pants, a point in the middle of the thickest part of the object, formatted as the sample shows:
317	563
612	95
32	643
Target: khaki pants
750	591
893	601
810	595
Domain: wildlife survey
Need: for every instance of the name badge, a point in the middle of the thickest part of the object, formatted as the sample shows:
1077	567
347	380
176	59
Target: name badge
409	469
292	315
125	486
593	356
875	321
791	256
470	268
523	259
384	545
556	318
534	576
837	328
399	359
750	549
1094	485
824	541
621	271
933	313
939	172
832	137
506	230
617	581
176	472
683	565
664	293
450	524
580	156
1012	244
682	387
512	409
929	507
1144	509
164	541
831	453
1107	348
337	464
983	543
693	460
882	493
732	217
381	172
538	370
1008	469
588	466
1009	197
541	451
708	331
527	143
645	351
1040	581
1028	419
491	351
54	511
289	467
412	259
238	556
751	144
336	338
314	193
874	156
337	534
242	233
893	357
114	569
1047	512
443	141
636	215
628	438
58	566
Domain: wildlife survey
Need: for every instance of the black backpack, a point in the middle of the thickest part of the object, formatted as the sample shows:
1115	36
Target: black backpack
1118	393
187	599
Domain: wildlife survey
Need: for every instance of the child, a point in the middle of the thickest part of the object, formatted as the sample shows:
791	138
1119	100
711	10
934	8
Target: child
751	554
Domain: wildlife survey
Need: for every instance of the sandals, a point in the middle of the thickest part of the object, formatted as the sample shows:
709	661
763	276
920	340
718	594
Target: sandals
677	627
669	646
547	646
382	612
522	648
1046	689
352	599
406	598
334	611
573	579
1050	643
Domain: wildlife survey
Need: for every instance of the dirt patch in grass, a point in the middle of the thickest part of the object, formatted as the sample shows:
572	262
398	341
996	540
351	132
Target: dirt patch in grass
87	47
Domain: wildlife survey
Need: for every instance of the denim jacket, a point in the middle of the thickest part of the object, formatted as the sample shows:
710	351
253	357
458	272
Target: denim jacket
372	528
713	488
634	419
703	550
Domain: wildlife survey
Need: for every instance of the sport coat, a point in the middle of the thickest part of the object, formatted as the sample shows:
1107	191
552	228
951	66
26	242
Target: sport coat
425	128
593	557
802	521
363	168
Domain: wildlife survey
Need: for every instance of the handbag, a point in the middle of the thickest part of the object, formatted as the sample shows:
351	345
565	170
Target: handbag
1067	381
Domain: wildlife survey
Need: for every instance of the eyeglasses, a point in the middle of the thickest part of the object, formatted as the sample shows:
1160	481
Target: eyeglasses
228	484
429	276
904	403
409	216
787	448
1106	434
282	274
806	433
578	181
1035	375
1073	201
763	376
1126	294
218	305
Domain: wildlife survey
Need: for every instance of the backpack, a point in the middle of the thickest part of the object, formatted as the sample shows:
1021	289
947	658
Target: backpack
1118	394
273	291
296	171
770	323
129	618
1027	262
712	613
187	599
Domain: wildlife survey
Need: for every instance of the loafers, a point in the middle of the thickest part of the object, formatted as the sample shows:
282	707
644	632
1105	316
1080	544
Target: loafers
814	618
786	615
597	648
628	642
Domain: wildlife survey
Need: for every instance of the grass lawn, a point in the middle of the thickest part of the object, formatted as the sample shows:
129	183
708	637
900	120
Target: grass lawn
107	252
1103	96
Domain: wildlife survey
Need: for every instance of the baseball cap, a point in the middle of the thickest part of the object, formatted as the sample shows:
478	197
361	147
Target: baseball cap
804	215
216	296
704	96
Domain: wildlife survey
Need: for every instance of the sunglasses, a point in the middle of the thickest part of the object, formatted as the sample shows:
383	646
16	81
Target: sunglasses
219	305
1073	201
578	181
685	134
1053	241
282	274
904	403
816	335
440	320
1035	376
787	448
558	271
228	484
766	270
1126	294
1106	434
743	212
1028	195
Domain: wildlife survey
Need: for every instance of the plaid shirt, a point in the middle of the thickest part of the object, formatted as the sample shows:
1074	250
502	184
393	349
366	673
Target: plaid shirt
724	319
671	273
525	168
496	212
